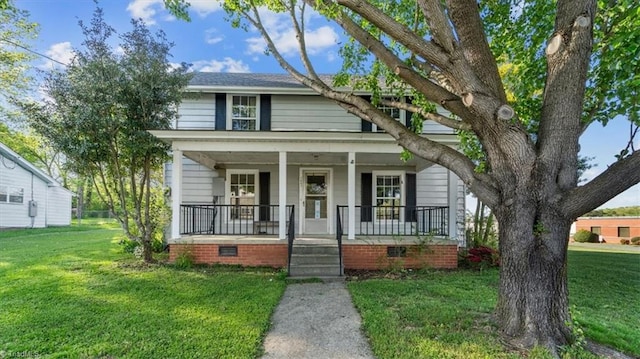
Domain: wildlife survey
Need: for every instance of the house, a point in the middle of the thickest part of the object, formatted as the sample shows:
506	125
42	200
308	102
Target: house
612	229
29	198
263	167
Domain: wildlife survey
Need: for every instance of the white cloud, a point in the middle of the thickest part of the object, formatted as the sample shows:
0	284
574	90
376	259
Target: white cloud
284	37
212	37
205	7
145	10
226	65
61	52
148	9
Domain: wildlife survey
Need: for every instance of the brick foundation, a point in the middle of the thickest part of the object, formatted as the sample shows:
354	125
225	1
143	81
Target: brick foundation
264	255
368	256
355	256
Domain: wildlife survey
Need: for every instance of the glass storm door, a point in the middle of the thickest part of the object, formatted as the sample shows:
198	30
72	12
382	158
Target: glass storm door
315	202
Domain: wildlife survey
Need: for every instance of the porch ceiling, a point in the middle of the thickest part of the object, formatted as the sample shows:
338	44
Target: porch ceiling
220	159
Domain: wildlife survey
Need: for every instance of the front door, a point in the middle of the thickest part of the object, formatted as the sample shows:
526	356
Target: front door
315	191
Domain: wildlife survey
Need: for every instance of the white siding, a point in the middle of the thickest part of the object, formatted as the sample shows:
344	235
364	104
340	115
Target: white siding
58	207
462	212
197	182
17	214
197	113
431	127
432	185
310	113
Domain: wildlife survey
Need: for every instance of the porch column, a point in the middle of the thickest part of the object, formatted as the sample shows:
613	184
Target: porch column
351	194
282	190
176	193
453	205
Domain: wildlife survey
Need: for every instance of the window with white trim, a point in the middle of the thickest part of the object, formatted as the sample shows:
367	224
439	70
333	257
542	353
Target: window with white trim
242	187
388	195
11	194
393	112
244	112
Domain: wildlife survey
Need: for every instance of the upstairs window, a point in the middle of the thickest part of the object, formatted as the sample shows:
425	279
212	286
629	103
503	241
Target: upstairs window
243	113
393	112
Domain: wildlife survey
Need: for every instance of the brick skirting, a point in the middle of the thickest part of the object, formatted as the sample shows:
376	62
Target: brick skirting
264	255
369	256
355	256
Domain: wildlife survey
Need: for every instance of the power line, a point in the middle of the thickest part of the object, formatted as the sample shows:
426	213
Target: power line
34	52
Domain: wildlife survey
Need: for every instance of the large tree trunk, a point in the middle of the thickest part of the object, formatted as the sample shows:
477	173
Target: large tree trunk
532	304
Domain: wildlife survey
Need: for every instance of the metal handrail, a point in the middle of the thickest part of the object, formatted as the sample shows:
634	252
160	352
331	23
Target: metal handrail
229	219
339	238
291	234
395	220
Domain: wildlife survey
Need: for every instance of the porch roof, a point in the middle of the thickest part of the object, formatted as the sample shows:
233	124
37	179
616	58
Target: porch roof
288	141
319	148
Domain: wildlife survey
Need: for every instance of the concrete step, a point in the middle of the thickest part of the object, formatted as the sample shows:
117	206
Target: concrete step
314	249
316	270
302	259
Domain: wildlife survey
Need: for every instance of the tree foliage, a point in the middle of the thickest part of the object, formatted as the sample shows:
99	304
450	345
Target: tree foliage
15	33
564	67
100	110
615	212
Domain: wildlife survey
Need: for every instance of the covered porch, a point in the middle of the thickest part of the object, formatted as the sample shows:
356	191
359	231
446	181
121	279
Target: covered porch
317	183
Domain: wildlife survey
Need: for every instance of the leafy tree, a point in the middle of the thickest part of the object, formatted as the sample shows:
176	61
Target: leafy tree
15	32
102	106
572	63
615	212
34	149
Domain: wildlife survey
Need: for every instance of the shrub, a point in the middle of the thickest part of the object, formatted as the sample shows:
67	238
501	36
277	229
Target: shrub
480	257
584	236
635	241
625	241
128	246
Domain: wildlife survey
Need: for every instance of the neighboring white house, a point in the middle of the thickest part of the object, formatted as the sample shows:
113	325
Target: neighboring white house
29	198
260	154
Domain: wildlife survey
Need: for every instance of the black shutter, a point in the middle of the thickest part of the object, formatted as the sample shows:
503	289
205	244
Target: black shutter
366	125
408	115
265	112
265	196
410	210
221	111
366	200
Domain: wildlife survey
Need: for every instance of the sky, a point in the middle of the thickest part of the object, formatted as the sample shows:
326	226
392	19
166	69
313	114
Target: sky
209	43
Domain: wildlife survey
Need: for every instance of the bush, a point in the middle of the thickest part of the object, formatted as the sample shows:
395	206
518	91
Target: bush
625	241
480	257
584	236
635	241
128	246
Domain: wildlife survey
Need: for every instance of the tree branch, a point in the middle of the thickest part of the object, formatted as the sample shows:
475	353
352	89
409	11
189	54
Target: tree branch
441	30
482	184
435	117
299	29
466	18
568	55
617	178
416	44
432	91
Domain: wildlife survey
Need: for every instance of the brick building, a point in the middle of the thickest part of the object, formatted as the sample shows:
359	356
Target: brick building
611	228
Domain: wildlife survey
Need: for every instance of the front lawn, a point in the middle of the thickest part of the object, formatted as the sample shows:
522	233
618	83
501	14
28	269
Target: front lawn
447	314
72	293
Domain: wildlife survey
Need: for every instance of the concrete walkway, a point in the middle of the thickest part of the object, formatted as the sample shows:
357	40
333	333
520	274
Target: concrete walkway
316	320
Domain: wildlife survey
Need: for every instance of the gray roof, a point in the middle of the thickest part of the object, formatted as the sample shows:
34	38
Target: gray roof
226	79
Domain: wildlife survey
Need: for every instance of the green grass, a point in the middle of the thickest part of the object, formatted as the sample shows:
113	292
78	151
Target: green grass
447	314
71	293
